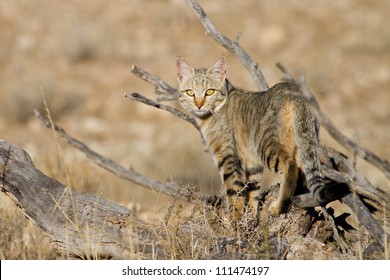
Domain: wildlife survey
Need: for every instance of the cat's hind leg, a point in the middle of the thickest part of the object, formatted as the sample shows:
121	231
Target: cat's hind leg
290	175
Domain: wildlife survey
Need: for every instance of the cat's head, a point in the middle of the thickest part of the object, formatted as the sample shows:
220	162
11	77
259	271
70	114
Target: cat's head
202	91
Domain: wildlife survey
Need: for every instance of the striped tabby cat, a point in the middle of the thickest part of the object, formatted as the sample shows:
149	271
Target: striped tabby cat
246	131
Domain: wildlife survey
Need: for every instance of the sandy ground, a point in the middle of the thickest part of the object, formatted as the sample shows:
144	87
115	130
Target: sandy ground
77	56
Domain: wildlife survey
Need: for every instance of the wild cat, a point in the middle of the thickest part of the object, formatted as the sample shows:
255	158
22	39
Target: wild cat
246	131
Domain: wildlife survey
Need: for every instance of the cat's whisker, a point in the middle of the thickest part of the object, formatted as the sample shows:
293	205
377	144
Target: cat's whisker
215	114
187	112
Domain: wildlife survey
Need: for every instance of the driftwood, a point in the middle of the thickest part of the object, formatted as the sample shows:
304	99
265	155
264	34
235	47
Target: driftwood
70	219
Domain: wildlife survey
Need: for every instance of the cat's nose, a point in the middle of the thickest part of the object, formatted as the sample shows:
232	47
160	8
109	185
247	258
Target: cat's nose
199	102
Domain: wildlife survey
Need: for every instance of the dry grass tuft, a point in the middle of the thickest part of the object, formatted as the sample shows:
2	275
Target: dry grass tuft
19	238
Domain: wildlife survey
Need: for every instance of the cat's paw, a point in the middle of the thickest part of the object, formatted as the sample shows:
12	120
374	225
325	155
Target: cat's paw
276	208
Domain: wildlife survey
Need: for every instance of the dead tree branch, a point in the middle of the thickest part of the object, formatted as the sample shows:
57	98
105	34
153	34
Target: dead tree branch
172	189
231	45
161	88
139	98
337	167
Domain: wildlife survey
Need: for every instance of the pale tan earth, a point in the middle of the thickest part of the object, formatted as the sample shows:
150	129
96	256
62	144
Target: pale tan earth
77	55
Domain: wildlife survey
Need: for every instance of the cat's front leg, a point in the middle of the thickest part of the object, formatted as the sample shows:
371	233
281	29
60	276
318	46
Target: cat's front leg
234	182
254	175
235	198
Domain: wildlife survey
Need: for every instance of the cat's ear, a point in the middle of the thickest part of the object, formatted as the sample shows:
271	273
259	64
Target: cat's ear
218	69
184	70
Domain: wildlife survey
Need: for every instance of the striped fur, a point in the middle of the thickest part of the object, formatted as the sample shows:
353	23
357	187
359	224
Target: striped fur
247	131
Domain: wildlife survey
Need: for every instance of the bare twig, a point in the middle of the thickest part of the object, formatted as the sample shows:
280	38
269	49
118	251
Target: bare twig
231	45
165	91
365	218
170	188
348	172
335	230
139	98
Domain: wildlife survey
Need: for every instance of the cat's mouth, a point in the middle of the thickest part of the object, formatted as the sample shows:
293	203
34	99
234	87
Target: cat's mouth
201	114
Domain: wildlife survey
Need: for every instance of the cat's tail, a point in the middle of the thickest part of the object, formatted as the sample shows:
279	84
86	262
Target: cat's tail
306	131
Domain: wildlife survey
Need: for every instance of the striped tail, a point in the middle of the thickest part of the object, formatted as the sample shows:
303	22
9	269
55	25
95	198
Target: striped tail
306	131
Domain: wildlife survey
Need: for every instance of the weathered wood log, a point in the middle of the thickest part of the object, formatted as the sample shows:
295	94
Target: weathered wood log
86	226
78	225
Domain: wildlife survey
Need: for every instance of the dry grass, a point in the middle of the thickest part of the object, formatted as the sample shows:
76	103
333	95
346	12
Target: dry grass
79	54
20	239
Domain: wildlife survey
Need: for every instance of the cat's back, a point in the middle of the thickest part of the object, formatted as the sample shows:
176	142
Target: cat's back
284	91
271	114
249	111
284	88
277	100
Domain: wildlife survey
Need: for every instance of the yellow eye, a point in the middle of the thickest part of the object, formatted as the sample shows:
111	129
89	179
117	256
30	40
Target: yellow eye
210	92
190	92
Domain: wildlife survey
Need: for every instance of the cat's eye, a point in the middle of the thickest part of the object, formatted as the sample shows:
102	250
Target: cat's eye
190	92
210	92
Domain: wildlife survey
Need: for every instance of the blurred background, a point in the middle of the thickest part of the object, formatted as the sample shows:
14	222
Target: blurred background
77	55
